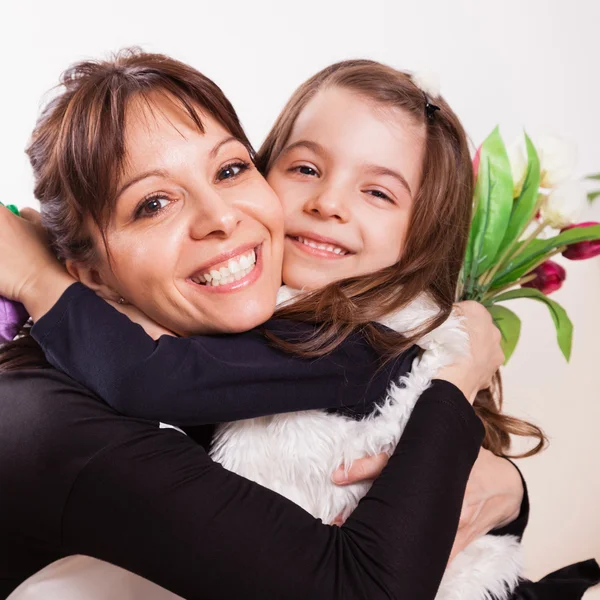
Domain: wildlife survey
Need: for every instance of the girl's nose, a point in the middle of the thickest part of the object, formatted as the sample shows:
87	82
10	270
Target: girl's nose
328	204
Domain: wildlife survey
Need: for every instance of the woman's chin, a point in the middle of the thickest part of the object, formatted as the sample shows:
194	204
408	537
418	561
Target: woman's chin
232	318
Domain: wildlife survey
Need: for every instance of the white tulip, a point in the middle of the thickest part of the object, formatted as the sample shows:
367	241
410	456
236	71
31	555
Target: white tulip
557	160
428	81
517	154
564	204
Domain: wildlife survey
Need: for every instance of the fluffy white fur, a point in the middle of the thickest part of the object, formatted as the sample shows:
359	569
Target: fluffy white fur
294	454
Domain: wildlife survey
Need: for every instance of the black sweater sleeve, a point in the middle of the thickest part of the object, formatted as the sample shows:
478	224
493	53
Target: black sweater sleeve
203	379
97	483
517	527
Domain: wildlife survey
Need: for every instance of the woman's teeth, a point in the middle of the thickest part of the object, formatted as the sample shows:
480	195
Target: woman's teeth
235	270
328	247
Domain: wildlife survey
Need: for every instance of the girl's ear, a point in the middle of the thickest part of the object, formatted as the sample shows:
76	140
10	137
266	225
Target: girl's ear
92	278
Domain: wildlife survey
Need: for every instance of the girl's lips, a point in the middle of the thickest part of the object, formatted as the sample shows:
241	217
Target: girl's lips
317	252
235	286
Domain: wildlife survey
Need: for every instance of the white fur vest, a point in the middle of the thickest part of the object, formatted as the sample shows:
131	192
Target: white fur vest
294	454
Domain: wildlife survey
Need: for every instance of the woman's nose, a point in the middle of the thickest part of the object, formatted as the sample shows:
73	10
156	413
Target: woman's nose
214	216
328	204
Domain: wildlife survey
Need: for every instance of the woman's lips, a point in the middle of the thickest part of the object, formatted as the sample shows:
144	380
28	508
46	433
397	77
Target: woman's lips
319	247
240	272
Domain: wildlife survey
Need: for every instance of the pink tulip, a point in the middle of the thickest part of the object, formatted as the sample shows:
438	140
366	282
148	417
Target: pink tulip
549	277
582	250
476	160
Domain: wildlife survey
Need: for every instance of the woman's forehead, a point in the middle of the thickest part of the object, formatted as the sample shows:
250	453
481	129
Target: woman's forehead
158	125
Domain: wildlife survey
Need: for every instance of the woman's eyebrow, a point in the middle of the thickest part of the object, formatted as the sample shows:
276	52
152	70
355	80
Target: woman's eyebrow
140	177
378	170
162	173
213	153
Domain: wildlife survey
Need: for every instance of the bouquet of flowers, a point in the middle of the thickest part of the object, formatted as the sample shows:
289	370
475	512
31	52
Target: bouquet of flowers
525	212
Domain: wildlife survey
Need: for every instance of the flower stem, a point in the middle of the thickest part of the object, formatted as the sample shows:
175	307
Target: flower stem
488	278
493	293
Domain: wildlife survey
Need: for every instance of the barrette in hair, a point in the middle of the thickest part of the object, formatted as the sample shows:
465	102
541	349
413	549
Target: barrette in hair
430	108
429	84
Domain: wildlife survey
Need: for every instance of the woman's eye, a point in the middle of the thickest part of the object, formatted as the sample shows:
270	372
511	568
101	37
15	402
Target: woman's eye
232	170
152	206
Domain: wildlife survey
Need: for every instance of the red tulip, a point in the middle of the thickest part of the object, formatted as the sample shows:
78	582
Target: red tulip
549	277
582	250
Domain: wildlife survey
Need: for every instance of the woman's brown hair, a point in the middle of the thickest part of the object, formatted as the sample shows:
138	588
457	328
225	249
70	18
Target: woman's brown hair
435	245
77	151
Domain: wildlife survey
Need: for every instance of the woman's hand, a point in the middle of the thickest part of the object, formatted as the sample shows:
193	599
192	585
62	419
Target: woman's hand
30	273
475	370
492	499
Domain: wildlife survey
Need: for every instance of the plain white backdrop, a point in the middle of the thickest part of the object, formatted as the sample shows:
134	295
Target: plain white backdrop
520	63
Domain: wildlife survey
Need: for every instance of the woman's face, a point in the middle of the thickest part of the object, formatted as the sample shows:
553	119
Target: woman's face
196	240
346	180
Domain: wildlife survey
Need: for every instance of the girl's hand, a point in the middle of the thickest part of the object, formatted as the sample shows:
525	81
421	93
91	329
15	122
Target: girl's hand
493	499
30	273
475	371
153	329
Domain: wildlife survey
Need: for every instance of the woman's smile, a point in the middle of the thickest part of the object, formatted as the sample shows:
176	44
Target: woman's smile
230	272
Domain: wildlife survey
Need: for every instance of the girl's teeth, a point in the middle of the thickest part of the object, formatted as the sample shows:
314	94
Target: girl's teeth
328	248
234	271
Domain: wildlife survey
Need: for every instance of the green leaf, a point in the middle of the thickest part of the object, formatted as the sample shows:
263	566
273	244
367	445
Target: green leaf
524	206
593	195
537	249
510	327
564	327
595	177
494	201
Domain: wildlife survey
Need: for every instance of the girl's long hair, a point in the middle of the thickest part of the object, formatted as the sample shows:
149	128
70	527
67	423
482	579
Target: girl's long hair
434	249
77	151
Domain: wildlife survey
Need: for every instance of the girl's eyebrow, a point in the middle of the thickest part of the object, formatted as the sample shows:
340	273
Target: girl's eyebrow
313	146
384	171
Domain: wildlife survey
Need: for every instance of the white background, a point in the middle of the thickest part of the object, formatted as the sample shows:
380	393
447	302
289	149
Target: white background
531	63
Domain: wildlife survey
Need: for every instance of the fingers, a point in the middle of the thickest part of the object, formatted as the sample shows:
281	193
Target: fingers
32	215
338	521
362	469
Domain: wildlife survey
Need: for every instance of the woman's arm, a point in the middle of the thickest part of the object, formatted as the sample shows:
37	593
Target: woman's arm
496	499
87	480
203	379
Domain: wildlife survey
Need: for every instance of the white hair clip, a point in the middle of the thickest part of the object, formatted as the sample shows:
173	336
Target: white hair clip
428	82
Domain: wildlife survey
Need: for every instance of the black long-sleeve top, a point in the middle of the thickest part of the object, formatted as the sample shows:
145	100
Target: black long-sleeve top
206	379
76	477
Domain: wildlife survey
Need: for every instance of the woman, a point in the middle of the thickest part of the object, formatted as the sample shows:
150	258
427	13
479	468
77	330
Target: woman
142	484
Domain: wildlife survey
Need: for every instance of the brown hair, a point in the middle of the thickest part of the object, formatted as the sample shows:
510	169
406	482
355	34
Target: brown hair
434	248
77	151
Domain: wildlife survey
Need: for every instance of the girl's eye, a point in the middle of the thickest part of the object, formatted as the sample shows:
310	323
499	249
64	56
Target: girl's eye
305	170
379	194
232	170
152	206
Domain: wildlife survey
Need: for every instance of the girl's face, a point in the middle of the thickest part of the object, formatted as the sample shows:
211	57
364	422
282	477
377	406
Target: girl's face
196	241
346	179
